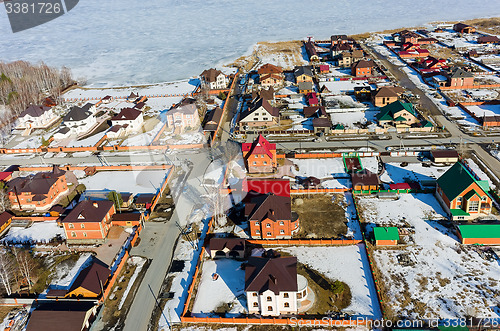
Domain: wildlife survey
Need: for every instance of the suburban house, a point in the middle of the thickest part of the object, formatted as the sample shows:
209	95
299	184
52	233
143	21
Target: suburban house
57	316
444	155
363	68
315	111
488	40
406	36
5	222
346	59
311	50
212	120
127	121
90	281
321	124
338	49
144	200
364	180
267	94
464	28
385	236
214	79
227	248
77	121
386	95
462	195
340	39
89	221
303	74
398	114
269	69
260	115
312	99
272	285
36	117
271	80
127	219
457	77
259	156
37	192
432	63
479	234
270	216
305	87
183	115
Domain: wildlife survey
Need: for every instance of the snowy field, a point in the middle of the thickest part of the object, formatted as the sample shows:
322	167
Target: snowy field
65	273
348	119
147	181
145	138
485	110
320	168
348	264
228	288
41	232
447	281
126	50
342	87
496	154
395	173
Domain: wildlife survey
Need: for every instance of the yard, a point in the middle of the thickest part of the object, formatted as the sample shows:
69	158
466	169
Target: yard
321	216
413	172
146	181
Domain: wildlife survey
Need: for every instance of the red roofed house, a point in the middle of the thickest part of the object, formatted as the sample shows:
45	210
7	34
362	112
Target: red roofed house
259	156
433	63
324	68
214	79
5	222
280	187
37	192
362	68
269	68
269	80
89	222
488	40
270	216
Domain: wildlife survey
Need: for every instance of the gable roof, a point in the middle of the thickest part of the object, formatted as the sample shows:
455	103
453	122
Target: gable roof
488	39
458	72
54	316
92	277
34	111
263	93
277	274
303	70
261	206
89	211
78	113
305	86
260	103
479	230
388	92
280	187
456	180
218	244
187	106
364	64
212	119
259	146
40	183
364	177
5	217
127	114
210	75
269	68
385	233
388	112
316	111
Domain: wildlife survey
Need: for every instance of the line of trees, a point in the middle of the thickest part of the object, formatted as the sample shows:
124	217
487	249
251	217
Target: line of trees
17	266
23	83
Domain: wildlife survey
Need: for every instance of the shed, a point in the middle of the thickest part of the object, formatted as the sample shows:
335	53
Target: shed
227	247
364	180
386	236
484	234
444	156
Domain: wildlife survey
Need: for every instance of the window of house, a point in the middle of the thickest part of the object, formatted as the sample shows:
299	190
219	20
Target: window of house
73	234
269	308
268	225
285	295
282	223
257	232
282	231
254	294
287	305
473	206
255	304
459	199
71	226
254	163
269	299
82	226
257	223
85	234
484	198
269	234
461	217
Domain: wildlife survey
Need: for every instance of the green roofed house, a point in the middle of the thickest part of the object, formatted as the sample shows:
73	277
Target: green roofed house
462	195
483	234
386	236
399	114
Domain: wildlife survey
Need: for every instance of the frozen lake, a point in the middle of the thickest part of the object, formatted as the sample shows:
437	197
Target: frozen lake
121	42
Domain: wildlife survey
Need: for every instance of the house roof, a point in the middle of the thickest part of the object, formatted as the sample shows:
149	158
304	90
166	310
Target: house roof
126	217
310	49
259	146
479	230
257	105
92	277
388	112
388	92
266	76
280	187
265	94
458	72
5	217
187	106
218	244
127	114
144	198
4	175
460	26
314	111
78	113
305	86
89	211
321	122
303	70
40	183
364	64
210	75
456	180
488	39
212	119
277	274
385	233
34	111
269	68
364	177
261	206
444	153
54	316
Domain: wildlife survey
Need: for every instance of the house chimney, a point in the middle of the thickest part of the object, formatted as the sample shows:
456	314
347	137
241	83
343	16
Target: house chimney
95	204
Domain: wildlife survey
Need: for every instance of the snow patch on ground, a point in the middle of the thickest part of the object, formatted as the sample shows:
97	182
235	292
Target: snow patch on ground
40	232
146	181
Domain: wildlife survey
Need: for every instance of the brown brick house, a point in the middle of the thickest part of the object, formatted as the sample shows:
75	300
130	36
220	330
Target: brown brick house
363	68
464	28
457	77
386	95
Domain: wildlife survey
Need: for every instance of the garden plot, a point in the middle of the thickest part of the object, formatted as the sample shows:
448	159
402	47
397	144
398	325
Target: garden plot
331	172
225	294
40	232
349	119
348	264
484	110
146	181
145	138
342	87
395	173
87	142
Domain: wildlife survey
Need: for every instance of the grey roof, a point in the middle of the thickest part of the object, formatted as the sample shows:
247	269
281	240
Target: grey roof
186	106
305	86
34	111
460	73
303	70
261	103
78	113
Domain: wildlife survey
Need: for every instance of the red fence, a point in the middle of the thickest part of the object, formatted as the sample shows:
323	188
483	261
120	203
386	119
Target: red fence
304	242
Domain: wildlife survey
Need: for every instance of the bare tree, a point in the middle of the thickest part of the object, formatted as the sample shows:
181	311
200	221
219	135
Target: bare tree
4	200
26	264
6	271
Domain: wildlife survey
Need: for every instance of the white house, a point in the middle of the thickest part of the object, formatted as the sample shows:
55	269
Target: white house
260	115
36	117
271	285
214	79
127	121
79	120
